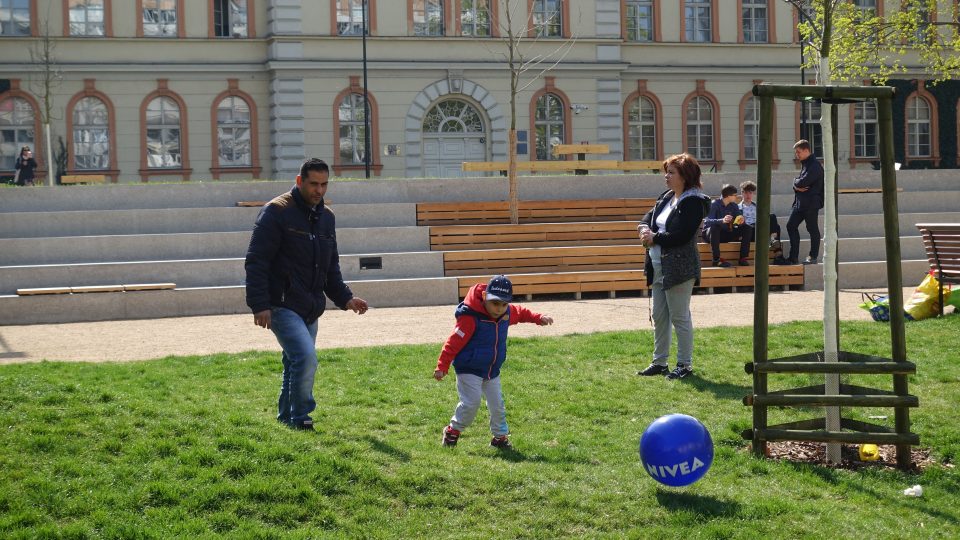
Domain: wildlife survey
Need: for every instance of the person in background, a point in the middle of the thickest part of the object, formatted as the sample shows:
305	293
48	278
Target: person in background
724	223
26	167
669	232
748	208
807	202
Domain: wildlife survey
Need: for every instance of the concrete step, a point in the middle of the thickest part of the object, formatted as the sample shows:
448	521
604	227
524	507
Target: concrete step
175	246
205	272
866	274
182	220
62	308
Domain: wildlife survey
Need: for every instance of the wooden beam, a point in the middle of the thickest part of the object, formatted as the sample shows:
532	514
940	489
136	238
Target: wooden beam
566	149
563	166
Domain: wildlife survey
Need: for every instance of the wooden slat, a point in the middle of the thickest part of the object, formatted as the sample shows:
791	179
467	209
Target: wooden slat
43	290
566	149
83	178
149	286
251	204
862	190
96	289
563	165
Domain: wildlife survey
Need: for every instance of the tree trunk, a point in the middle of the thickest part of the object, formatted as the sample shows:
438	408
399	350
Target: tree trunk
49	154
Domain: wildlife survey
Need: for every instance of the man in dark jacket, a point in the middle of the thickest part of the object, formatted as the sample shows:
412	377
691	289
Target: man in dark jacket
292	262
807	202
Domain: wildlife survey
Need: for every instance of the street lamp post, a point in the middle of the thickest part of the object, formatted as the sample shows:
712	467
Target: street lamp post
366	101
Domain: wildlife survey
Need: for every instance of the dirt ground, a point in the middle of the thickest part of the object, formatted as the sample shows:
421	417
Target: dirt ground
153	338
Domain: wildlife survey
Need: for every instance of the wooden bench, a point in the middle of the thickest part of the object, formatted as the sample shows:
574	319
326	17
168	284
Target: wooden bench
97	288
616	266
942	244
578	166
862	190
83	179
553	211
529	235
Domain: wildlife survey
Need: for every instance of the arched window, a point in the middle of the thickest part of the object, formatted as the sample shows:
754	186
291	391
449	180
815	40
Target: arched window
163	134
234	148
642	129
751	128
352	130
17	125
918	128
865	130
91	135
549	126
700	133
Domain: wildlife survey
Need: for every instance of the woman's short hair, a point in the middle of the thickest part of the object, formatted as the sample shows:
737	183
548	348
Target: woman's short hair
688	168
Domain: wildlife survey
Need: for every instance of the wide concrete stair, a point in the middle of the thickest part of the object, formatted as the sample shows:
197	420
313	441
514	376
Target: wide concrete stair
195	235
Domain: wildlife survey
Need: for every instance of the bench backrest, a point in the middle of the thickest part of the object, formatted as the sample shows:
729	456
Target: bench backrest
498	212
532	235
942	244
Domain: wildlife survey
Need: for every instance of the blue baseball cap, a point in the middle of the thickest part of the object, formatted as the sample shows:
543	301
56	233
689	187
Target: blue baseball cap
500	288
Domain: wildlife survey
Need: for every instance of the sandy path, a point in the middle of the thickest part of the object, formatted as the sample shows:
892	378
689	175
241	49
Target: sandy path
145	339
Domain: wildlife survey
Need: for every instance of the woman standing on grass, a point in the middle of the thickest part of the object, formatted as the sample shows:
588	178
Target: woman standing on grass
669	232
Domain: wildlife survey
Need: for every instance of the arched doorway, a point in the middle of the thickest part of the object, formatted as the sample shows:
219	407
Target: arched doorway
453	132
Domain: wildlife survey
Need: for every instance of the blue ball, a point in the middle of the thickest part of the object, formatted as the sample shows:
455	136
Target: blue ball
676	450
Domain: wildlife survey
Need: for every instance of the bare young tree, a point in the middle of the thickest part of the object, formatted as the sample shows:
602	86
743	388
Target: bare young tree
526	66
44	82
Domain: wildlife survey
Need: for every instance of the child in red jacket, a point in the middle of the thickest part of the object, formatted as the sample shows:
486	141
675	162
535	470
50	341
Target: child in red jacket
477	348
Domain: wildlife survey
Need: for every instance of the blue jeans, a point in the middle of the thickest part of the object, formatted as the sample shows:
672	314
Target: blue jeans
299	342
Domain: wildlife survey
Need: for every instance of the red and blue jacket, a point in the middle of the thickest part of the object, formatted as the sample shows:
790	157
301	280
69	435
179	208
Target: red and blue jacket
478	344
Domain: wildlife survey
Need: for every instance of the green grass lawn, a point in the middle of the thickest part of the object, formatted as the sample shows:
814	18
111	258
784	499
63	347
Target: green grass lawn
188	447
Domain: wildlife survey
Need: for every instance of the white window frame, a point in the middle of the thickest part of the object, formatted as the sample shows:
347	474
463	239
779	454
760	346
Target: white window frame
703	129
91	135
547	22
751	128
352	125
17	129
169	131
160	18
865	127
428	18
695	13
230	19
640	24
15	17
350	17
80	22
642	126
233	118
549	116
472	11
754	14
917	139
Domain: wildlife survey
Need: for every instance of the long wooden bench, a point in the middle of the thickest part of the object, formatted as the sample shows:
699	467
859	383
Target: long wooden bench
581	166
551	211
460	237
942	244
83	178
572	269
96	289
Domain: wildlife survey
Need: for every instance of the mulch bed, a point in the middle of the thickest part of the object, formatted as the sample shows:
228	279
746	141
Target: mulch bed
815	454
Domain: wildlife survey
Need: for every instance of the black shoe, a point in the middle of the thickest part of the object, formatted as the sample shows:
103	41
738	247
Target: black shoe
653	369
306	425
810	260
781	260
720	263
774	244
501	442
680	372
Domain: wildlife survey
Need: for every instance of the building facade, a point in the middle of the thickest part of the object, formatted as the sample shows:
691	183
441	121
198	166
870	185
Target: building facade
149	90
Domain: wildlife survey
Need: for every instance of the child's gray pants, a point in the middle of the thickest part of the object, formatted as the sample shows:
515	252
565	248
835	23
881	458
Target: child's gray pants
470	388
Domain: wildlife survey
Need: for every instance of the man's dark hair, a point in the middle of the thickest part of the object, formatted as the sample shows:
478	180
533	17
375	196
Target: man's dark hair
313	164
802	144
727	190
748	186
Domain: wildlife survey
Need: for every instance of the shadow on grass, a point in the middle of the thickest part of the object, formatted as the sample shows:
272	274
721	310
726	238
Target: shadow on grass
516	456
721	390
387	449
708	507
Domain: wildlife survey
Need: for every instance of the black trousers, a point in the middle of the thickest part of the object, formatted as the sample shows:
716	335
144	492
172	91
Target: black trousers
810	217
715	234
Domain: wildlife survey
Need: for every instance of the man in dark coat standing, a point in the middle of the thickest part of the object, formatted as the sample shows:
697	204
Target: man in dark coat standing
807	202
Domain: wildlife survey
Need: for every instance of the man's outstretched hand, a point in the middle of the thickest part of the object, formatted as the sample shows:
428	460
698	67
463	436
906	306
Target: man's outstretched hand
358	305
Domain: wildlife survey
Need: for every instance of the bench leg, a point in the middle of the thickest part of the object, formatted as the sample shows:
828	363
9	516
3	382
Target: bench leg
613	294
577	295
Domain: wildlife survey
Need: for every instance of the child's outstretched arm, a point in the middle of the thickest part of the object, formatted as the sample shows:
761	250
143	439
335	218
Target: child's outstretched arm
520	314
454	344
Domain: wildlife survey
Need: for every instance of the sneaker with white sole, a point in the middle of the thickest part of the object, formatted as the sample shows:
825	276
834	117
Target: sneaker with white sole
450	436
501	442
680	372
654	369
